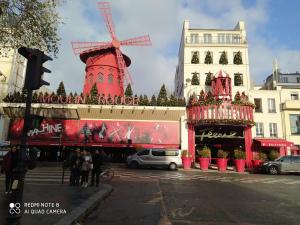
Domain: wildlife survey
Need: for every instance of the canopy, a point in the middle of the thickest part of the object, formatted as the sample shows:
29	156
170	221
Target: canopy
265	142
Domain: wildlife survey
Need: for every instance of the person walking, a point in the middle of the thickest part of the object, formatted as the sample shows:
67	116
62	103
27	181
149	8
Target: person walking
75	168
86	166
97	163
9	163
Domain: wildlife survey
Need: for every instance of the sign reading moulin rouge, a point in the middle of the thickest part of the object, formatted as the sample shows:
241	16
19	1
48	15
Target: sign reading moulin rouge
83	99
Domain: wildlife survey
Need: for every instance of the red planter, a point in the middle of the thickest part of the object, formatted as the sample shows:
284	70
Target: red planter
222	164
186	162
204	163
240	165
256	162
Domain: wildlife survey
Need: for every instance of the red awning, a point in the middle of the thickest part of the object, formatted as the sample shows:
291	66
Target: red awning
274	142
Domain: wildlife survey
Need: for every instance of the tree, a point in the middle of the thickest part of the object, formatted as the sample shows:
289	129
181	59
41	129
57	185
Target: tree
23	96
238	58
93	98
208	79
35	97
61	89
128	91
30	23
141	100
223	58
195	79
172	101
146	100
162	97
208	58
201	97
237	97
153	100
195	58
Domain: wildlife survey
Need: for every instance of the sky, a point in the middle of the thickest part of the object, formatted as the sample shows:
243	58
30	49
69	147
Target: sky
272	27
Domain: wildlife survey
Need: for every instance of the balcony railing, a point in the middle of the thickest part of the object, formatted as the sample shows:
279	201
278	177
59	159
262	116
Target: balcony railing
215	40
224	113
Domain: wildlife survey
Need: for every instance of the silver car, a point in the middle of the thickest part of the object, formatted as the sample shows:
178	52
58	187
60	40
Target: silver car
284	164
156	157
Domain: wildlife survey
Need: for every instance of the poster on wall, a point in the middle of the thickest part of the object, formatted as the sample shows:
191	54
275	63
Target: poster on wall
99	131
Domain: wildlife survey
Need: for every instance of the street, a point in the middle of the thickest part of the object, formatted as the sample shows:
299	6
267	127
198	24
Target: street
194	197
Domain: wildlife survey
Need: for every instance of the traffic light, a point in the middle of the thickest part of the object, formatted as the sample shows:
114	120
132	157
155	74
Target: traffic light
35	69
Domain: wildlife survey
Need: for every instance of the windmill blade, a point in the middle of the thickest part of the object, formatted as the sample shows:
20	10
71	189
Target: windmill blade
138	41
106	13
124	73
79	47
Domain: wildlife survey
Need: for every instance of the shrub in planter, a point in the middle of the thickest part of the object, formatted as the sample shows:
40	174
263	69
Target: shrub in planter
204	157
240	157
273	155
258	159
222	160
187	158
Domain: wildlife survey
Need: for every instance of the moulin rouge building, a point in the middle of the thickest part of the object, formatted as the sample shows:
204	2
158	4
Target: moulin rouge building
212	75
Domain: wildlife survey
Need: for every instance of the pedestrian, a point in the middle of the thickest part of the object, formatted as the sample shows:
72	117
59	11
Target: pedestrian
86	166
75	168
10	162
97	163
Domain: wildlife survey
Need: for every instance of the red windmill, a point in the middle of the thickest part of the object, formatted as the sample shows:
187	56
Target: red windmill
105	64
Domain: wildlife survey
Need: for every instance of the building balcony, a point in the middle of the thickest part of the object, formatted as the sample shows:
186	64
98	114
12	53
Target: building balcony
291	105
225	113
215	40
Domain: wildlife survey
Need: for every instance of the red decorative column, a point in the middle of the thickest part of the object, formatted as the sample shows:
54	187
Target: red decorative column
248	145
191	140
282	151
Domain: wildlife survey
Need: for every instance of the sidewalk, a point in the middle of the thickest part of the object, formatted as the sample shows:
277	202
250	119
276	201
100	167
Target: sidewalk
75	201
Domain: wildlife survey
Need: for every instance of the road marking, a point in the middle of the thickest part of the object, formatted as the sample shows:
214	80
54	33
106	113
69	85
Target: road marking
293	182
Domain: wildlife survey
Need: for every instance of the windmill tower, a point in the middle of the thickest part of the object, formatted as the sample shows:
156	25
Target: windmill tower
106	65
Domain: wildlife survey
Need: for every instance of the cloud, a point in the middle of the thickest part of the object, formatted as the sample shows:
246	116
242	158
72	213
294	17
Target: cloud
162	20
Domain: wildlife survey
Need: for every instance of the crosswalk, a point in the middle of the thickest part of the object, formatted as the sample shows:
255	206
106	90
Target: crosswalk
250	179
53	176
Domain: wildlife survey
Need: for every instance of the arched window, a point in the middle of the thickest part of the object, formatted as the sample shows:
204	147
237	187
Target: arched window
90	78
100	78
110	78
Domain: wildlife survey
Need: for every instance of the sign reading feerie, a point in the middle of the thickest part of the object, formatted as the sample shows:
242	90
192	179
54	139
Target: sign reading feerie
211	133
102	100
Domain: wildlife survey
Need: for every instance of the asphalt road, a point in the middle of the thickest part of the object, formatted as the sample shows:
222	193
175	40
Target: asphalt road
154	197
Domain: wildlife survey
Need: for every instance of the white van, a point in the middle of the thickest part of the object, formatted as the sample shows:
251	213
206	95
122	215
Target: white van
156	157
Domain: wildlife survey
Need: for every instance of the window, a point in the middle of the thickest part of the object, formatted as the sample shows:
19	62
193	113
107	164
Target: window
298	79
221	38
258	106
194	38
295	124
236	39
273	129
284	80
100	78
271	105
90	78
195	57
144	152
296	159
228	38
110	78
207	38
158	152
238	79
294	96
259	129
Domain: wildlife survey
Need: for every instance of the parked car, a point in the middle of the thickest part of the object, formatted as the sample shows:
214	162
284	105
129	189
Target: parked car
283	164
155	157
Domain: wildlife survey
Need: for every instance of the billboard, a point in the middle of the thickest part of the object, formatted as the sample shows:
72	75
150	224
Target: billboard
99	131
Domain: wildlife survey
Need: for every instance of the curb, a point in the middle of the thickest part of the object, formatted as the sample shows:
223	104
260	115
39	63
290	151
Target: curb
86	207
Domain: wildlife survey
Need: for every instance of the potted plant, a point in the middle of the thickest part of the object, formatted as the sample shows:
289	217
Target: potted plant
222	160
204	157
187	159
258	159
273	155
239	161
